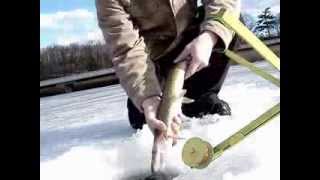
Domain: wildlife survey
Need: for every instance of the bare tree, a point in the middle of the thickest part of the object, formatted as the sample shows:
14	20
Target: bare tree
58	61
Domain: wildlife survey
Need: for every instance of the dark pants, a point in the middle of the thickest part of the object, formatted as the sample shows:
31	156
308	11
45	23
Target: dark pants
207	82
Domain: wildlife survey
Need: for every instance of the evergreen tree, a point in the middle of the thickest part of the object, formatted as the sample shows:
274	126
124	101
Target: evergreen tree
266	22
278	24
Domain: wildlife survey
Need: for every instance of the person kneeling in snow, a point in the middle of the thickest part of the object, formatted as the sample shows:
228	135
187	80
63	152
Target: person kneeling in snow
147	36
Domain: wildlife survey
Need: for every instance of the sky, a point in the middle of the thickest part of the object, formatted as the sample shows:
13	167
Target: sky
74	21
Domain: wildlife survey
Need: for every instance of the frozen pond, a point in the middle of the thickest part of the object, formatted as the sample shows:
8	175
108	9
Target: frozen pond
85	135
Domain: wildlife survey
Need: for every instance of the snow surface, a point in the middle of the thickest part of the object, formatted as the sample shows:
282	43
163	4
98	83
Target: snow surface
85	135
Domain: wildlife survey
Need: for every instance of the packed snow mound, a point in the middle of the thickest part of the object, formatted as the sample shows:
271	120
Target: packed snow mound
86	136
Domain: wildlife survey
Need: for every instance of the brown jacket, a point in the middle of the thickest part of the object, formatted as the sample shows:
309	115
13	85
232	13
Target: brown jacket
141	31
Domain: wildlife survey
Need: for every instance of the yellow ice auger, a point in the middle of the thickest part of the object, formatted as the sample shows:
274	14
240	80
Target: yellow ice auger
198	153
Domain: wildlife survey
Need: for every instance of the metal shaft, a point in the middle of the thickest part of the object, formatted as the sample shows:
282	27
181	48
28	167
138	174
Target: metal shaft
229	20
245	131
199	154
260	72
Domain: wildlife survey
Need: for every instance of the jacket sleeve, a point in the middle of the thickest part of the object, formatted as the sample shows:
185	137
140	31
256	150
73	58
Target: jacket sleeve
213	7
132	66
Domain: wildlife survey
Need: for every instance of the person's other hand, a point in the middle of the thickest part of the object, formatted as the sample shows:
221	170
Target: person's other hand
150	108
197	53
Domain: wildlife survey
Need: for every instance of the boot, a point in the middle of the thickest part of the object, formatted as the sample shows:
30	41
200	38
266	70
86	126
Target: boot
207	104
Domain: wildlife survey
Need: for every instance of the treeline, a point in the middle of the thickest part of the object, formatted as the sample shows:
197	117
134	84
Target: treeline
58	61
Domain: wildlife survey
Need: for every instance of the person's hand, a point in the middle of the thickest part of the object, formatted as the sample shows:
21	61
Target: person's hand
167	136
197	53
150	108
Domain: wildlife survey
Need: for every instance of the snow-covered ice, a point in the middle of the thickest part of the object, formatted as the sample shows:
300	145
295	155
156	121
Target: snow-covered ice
85	135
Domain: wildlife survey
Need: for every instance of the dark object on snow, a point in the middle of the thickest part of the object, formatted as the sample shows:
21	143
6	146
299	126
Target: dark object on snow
207	104
159	176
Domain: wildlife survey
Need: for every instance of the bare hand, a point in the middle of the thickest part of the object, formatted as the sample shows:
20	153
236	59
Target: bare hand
165	136
150	107
197	53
